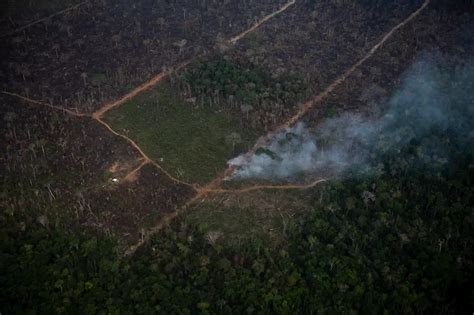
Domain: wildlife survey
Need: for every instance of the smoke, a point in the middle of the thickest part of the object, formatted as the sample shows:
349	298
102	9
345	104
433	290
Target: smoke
289	153
434	101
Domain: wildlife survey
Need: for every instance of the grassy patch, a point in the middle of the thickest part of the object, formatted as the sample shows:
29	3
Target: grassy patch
267	217
193	143
234	225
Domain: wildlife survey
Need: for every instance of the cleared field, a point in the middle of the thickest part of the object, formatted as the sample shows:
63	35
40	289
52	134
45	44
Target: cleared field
265	217
19	13
51	175
191	142
101	50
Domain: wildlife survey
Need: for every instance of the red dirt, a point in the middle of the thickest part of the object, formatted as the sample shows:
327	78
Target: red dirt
213	186
238	37
133	175
143	87
307	106
105	219
96	53
31	101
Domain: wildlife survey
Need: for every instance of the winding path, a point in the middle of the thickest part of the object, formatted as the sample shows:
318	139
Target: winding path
213	186
35	102
97	115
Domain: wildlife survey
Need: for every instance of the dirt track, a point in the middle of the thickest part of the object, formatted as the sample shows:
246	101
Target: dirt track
35	102
97	115
138	90
213	186
238	37
306	107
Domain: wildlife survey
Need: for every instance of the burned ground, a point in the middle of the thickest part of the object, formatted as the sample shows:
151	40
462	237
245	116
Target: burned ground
64	168
72	170
366	89
128	210
432	33
97	52
100	50
317	42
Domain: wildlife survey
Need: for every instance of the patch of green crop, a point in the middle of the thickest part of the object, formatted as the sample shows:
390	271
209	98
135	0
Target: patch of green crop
235	225
193	143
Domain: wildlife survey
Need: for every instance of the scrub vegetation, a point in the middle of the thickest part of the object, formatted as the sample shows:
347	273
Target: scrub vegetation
192	142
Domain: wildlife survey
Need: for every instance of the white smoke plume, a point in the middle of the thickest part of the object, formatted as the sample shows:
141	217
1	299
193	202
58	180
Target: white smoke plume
429	98
289	152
